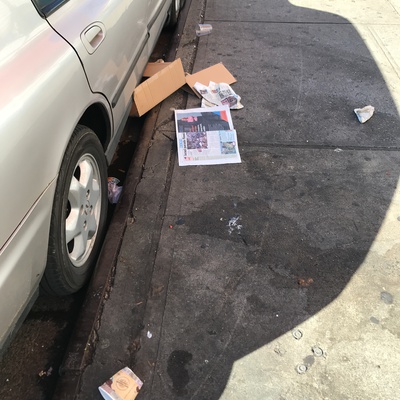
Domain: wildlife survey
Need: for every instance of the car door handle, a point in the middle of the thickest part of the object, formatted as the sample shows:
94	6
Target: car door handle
93	36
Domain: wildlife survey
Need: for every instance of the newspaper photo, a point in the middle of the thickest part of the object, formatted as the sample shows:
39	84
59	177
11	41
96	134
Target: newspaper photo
206	137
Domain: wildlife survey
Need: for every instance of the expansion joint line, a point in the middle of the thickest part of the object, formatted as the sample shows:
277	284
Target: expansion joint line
310	146
277	22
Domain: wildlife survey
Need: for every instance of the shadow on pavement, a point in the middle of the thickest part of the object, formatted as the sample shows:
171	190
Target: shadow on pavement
303	234
308	204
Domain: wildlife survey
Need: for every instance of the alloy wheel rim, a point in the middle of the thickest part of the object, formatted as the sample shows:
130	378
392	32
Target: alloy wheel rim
83	210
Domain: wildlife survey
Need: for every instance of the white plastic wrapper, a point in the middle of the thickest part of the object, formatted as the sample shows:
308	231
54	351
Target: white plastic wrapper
365	113
204	29
218	94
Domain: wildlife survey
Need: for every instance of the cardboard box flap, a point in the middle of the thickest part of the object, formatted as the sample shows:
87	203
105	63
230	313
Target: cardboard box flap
157	88
153	67
218	73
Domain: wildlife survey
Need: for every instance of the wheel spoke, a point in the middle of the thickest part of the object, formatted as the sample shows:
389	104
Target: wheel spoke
94	193
91	226
80	244
89	182
72	225
86	176
77	193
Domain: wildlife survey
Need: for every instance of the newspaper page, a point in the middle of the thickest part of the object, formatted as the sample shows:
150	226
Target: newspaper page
206	137
218	94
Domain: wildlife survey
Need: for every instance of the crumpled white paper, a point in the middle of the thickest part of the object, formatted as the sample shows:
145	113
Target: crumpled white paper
365	113
218	94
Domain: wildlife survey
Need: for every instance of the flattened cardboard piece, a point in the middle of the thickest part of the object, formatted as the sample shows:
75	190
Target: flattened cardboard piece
157	88
217	73
153	67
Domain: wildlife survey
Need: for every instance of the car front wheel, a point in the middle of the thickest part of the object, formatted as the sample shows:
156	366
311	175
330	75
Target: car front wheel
79	215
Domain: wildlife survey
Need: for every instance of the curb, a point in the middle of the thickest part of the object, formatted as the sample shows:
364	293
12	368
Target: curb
83	340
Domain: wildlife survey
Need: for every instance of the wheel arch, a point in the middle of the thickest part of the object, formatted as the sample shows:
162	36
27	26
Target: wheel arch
96	118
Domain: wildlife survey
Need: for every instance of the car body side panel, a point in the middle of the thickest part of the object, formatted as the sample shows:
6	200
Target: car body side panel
22	260
50	74
44	93
38	111
156	8
120	40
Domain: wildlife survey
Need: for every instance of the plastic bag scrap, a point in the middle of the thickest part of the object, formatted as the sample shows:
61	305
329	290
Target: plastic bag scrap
204	29
218	94
114	191
365	113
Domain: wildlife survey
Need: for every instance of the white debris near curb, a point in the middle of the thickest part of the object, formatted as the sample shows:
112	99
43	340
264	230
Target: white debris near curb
365	113
204	29
233	224
218	94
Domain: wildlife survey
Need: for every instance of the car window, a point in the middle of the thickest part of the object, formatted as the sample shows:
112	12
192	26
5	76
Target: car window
48	6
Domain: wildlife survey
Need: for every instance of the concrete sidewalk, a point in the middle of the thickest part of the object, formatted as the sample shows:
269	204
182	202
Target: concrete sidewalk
300	300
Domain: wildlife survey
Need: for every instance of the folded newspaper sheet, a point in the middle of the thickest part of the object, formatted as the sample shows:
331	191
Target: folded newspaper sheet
206	136
218	94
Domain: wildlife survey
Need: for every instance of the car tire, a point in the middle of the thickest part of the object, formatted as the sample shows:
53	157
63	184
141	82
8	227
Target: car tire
78	220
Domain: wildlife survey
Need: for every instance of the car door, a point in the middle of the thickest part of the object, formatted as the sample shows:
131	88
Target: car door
110	38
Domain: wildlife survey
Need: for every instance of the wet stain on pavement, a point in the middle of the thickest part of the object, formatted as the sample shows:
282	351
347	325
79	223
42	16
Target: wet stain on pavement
291	252
386	297
257	306
177	371
308	361
226	218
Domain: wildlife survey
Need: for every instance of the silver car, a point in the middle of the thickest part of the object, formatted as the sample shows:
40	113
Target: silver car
68	70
